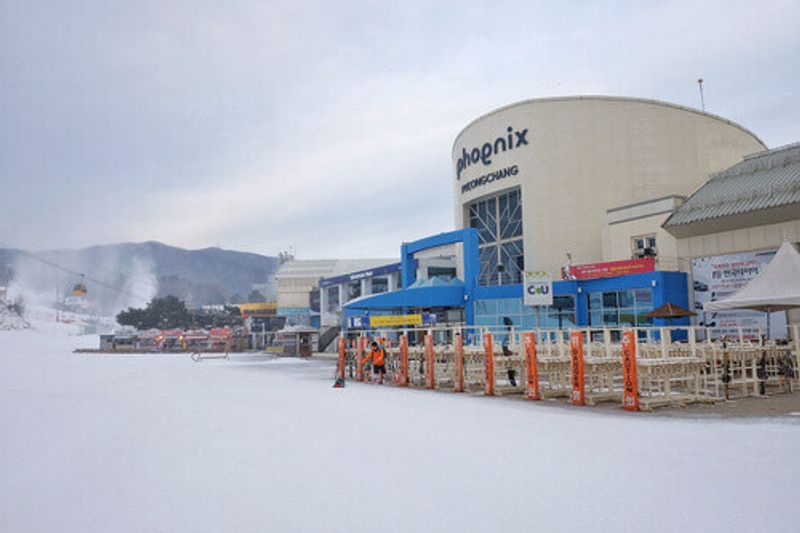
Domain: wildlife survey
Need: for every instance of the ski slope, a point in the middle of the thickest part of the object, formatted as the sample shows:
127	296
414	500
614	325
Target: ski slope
94	443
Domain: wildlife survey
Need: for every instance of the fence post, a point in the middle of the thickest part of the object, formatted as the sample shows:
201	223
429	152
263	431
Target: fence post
340	366
578	396
488	364
630	378
531	365
362	341
430	368
458	379
404	360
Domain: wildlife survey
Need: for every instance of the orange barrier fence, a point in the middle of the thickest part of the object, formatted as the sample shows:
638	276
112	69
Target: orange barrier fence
639	370
531	366
430	374
489	364
458	352
631	382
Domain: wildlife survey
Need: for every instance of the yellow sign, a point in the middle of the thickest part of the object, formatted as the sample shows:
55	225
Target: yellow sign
258	307
382	321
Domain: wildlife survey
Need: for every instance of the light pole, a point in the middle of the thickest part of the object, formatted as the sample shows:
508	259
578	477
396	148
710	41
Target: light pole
702	98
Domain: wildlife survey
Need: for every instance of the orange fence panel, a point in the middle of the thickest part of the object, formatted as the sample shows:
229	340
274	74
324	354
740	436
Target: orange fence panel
630	400
362	342
576	353
341	362
488	348
531	366
403	361
430	361
458	381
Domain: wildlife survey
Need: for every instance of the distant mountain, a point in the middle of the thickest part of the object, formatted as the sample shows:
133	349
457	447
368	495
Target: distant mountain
136	271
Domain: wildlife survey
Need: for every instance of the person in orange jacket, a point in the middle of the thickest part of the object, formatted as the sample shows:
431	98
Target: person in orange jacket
377	354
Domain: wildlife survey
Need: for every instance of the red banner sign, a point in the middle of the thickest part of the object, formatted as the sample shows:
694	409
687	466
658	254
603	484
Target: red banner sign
613	268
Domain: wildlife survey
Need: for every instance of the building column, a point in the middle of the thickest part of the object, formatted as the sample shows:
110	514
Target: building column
342	294
366	286
392	281
323	300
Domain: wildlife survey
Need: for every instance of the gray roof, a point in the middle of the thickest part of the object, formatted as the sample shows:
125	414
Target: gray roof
763	180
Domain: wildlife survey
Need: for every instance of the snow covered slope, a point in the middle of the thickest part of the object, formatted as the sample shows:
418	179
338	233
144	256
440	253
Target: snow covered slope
159	443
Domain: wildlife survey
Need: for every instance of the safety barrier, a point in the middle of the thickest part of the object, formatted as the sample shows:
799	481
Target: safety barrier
640	368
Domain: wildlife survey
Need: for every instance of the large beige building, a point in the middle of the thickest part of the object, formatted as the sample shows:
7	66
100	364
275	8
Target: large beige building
590	176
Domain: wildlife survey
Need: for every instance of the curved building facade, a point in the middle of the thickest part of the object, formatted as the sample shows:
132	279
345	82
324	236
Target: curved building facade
544	178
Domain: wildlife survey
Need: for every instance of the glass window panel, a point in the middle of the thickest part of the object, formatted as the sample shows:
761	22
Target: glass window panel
510	306
627	316
644	297
595	300
380	285
625	298
488	266
596	318
510	215
353	290
564	302
483	217
484	307
610	318
610	299
511	256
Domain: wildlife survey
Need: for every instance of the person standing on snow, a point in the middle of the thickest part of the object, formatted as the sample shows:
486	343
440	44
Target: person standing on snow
377	354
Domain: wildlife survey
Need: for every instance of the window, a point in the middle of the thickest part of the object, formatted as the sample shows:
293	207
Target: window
353	290
620	308
333	299
499	223
644	246
559	315
380	284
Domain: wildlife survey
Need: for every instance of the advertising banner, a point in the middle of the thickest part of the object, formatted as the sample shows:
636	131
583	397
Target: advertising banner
358	322
538	288
716	278
613	268
386	321
578	396
531	366
630	378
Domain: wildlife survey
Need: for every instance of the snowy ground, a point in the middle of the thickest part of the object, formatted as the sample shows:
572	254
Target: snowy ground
158	443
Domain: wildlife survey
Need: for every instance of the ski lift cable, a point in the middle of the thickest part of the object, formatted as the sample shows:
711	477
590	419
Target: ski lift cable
81	274
30	242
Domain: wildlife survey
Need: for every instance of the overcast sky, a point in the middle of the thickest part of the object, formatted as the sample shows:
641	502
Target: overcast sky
327	126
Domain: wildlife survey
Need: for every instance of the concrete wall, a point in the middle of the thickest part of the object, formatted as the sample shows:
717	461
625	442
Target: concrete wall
585	155
764	237
293	292
626	222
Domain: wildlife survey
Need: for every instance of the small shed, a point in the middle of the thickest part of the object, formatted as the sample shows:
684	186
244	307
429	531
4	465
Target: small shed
299	341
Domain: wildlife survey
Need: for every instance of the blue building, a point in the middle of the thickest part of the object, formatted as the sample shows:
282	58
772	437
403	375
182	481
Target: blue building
602	302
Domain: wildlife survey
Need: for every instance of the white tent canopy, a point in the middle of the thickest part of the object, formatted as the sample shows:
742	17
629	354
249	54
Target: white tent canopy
776	288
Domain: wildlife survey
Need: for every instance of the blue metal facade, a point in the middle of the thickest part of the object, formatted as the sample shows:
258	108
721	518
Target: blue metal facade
665	287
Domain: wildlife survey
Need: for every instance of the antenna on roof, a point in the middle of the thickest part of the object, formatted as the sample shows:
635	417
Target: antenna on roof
702	99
